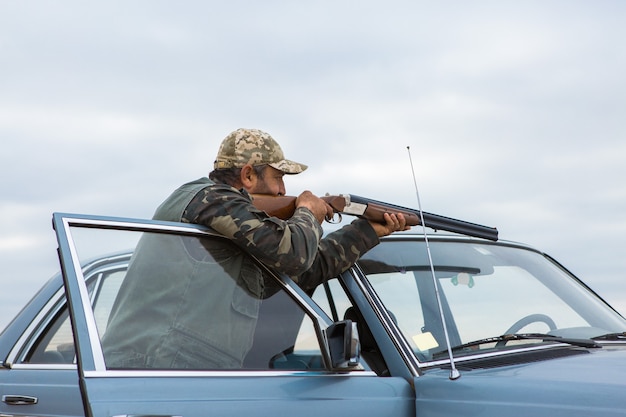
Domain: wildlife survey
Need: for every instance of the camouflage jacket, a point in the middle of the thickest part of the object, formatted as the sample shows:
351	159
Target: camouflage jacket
294	247
181	311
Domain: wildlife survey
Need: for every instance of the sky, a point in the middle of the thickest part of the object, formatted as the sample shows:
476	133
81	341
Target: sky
511	112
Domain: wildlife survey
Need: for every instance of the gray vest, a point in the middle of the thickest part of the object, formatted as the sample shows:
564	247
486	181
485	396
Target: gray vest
174	206
185	302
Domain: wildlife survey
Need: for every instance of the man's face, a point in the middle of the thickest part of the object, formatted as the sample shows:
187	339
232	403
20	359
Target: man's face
270	182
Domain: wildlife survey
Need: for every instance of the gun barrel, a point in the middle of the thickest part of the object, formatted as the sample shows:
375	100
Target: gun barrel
437	222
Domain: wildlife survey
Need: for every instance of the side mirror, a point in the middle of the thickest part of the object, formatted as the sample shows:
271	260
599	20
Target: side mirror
344	345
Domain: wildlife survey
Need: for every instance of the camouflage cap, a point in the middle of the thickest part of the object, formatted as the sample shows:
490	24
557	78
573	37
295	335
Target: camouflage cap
254	147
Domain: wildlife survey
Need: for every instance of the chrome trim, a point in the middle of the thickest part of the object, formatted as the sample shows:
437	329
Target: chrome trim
222	374
136	225
146	415
442	236
12	399
611	343
43	318
189	373
45	366
355	209
92	329
122	258
490	355
383	316
96	288
320	322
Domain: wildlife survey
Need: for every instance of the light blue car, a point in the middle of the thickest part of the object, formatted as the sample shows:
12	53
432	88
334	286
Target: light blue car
521	336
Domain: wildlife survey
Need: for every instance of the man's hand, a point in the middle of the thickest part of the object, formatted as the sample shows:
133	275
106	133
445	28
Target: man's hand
318	207
393	223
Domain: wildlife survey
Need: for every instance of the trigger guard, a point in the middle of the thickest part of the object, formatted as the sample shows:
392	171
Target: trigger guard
331	219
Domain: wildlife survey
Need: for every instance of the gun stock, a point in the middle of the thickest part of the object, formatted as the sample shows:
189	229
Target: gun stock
283	207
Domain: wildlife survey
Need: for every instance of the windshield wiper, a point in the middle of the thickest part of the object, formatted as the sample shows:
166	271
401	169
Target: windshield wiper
505	338
611	336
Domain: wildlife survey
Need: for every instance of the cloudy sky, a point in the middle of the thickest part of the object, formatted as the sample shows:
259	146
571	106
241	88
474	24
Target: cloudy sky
513	112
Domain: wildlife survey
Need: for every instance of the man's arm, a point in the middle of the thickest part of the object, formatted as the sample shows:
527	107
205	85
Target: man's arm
288	246
338	251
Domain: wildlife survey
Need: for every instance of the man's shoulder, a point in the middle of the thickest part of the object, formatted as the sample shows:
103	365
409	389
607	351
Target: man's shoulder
208	185
203	181
172	207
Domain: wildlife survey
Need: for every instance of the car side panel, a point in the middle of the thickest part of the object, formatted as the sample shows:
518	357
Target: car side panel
188	393
53	392
271	395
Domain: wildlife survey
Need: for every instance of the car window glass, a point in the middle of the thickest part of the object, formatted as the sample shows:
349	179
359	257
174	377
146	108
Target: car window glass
108	287
285	337
54	342
332	298
485	291
189	302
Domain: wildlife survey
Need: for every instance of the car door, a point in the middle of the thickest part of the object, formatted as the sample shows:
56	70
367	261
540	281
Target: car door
38	375
35	381
280	364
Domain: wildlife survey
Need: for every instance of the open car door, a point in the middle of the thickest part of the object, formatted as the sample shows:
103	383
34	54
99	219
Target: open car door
261	348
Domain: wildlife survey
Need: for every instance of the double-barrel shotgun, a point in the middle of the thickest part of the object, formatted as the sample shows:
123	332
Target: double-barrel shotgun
283	207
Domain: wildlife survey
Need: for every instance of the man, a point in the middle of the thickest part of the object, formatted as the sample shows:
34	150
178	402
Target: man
189	303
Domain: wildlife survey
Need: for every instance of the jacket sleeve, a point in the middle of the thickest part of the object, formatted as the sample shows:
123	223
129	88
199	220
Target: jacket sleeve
287	246
338	251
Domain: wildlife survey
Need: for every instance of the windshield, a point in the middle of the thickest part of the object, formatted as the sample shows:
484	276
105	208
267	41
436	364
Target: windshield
486	290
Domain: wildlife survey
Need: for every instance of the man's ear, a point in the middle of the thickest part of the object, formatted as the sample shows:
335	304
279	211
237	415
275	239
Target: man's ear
248	177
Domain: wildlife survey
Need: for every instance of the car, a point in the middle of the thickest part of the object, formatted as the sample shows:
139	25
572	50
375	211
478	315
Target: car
423	325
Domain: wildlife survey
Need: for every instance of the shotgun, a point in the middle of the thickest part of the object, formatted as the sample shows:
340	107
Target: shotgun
283	207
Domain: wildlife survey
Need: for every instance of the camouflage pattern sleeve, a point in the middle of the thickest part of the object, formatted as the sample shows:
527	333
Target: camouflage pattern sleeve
338	251
288	246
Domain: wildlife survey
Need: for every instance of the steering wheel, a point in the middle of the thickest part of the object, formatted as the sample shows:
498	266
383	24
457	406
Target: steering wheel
531	318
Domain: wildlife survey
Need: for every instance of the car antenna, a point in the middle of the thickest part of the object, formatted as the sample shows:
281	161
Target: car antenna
454	373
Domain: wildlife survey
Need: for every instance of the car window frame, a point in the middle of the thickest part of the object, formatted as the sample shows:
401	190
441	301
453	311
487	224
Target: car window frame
40	323
57	303
93	361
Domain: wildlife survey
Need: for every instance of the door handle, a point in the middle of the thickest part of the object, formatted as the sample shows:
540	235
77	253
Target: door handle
19	399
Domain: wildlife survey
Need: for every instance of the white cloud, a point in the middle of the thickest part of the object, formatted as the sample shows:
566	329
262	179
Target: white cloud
19	242
513	111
